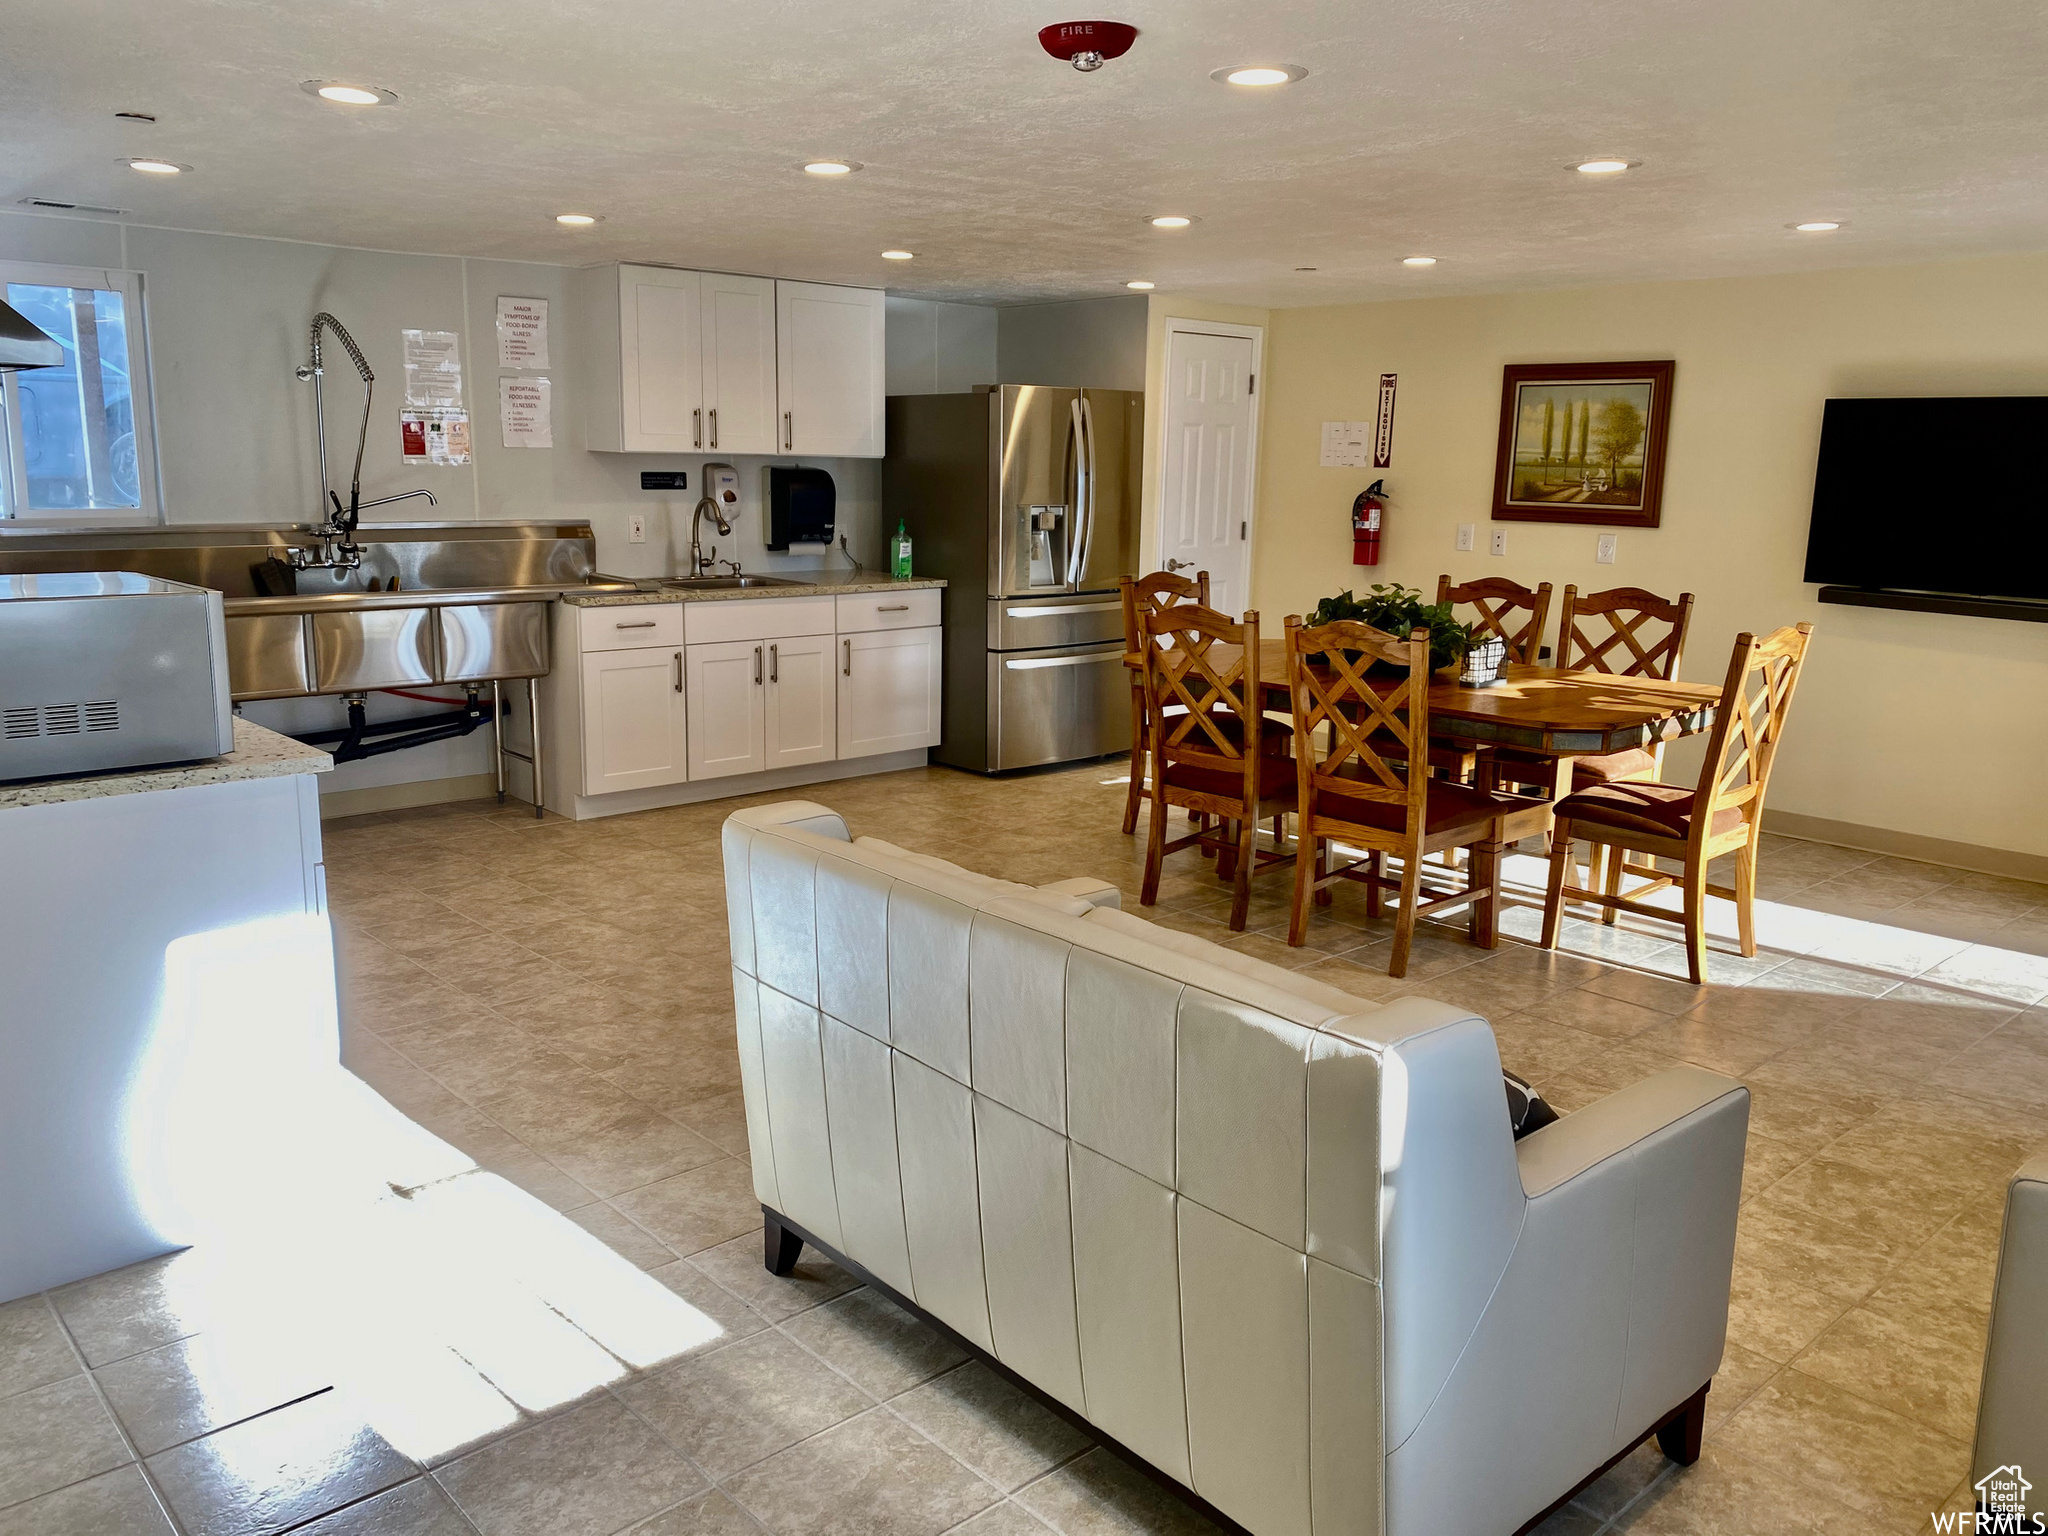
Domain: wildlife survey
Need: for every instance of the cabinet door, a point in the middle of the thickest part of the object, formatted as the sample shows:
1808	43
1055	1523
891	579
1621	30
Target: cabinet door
660	361
888	691
727	692
739	362
801	701
829	369
633	718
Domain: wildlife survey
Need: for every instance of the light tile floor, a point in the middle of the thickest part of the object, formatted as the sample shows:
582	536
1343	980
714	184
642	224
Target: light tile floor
419	1346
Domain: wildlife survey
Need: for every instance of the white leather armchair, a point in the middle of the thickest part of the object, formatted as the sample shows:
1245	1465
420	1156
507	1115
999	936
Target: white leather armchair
2012	1411
1275	1241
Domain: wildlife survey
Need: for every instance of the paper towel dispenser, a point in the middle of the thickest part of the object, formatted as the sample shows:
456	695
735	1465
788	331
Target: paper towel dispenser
801	507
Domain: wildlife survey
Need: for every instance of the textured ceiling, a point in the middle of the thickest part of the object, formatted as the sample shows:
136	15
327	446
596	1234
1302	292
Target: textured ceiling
1440	126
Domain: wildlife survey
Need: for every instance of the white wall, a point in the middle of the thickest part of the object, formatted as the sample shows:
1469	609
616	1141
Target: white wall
1087	342
227	323
940	349
1929	726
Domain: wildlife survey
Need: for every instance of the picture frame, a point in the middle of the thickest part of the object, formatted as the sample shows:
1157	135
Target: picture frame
1583	443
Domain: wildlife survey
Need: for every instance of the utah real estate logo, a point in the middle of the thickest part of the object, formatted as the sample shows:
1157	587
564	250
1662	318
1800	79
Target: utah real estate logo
2001	1508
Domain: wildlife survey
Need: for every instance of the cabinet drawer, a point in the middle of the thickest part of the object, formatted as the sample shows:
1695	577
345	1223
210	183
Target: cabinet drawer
917	609
757	618
627	626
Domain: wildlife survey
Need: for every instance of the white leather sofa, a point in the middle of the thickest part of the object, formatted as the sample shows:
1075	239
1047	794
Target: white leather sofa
2012	1411
1274	1240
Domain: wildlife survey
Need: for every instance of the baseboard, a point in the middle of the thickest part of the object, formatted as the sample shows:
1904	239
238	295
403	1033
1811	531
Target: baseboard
585	807
1909	845
403	797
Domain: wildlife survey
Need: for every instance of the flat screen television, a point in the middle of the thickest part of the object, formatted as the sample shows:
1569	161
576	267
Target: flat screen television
1941	495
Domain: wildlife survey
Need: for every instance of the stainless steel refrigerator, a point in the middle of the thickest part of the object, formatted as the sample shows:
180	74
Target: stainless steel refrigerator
1025	499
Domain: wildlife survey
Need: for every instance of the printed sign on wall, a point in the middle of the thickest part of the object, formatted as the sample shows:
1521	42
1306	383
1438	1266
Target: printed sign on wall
1383	433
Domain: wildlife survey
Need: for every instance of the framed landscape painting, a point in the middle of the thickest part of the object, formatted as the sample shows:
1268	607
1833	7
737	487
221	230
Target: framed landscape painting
1582	443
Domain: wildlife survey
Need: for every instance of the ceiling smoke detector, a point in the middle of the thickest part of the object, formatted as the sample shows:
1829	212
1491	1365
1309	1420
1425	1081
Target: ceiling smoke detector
1087	45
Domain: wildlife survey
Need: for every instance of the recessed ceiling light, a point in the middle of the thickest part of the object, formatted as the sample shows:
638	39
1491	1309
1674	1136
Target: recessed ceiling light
831	167
1817	226
344	94
1418	261
578	220
898	255
1604	165
1259	74
1170	221
1138	282
157	167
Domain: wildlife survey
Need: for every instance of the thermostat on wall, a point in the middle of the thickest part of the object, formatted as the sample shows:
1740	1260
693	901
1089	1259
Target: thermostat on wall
664	480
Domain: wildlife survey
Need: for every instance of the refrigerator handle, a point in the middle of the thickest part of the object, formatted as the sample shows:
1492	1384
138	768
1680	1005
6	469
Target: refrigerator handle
1088	537
1077	521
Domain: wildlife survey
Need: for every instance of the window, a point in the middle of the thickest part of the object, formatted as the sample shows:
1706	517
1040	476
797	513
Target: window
76	441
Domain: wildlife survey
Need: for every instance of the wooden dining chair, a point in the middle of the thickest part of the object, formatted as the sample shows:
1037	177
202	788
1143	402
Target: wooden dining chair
1148	594
1695	825
1498	602
1211	746
1364	787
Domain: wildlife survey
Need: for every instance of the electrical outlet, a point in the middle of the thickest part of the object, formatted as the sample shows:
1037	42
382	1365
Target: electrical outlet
636	529
1500	541
1603	552
1467	533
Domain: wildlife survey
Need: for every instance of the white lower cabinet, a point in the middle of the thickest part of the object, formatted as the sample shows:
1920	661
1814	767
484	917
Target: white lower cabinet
728	715
889	691
633	719
801	702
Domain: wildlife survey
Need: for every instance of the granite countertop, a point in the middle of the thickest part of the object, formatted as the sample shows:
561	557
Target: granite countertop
258	754
828	584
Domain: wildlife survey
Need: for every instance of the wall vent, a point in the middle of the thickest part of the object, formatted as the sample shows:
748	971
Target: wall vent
56	205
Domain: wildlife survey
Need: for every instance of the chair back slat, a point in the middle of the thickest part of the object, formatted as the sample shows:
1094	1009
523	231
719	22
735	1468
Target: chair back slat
1749	722
1499	604
1153	592
1626	648
1364	730
1201	675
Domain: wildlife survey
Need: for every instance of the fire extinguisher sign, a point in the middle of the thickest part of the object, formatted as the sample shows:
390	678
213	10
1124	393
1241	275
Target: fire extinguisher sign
1383	432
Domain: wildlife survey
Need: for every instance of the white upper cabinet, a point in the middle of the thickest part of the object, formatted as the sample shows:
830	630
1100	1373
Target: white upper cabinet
830	370
737	317
645	389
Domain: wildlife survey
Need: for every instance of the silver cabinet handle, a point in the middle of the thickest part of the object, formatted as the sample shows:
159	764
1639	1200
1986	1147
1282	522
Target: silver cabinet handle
1055	610
774	664
892	608
788	431
1034	663
697	425
757	666
714	426
846	669
642	624
679	671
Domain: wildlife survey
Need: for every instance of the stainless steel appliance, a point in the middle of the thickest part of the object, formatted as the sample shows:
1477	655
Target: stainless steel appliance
1025	498
110	669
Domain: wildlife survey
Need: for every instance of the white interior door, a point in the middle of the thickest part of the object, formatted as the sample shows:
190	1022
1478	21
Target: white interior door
633	735
1206	474
739	363
728	707
800	701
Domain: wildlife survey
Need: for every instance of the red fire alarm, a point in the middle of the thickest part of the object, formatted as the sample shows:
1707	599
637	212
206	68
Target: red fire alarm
1087	44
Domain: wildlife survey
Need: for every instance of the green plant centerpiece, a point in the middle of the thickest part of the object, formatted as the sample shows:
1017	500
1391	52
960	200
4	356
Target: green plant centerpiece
1397	610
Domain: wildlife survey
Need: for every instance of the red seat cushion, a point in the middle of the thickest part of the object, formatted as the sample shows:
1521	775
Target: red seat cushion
1448	806
1276	779
1662	810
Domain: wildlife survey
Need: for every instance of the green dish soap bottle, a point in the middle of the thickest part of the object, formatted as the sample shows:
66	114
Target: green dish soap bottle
899	553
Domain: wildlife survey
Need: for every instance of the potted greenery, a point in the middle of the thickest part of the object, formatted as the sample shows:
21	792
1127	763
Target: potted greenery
1397	610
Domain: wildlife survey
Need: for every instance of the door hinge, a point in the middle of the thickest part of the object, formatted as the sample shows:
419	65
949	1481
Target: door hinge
1241	527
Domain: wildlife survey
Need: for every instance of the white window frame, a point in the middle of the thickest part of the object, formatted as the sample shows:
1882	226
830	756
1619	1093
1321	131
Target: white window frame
13	455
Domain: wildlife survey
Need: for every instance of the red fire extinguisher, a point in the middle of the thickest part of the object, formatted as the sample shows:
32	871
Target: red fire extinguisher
1366	513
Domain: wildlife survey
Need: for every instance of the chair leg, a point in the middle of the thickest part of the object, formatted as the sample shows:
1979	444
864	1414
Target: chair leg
1404	925
1226	852
1553	898
1745	898
1308	860
1138	739
1326	860
1679	1437
1483	920
1616	857
1372	890
1696	921
779	1246
1155	850
1246	862
1279	833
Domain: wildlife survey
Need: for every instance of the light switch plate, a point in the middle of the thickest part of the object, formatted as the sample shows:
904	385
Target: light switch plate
636	529
1500	541
1467	533
1603	551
